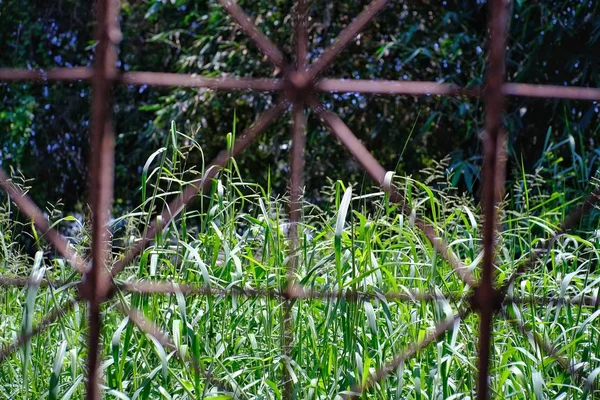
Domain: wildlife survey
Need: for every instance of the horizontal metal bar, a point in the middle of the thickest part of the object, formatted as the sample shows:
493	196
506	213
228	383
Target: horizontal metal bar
425	88
294	292
58	74
415	88
157	79
579	300
162	79
551	91
383	87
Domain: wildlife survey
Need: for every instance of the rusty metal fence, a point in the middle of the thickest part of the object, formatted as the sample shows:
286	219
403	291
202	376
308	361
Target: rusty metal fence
299	87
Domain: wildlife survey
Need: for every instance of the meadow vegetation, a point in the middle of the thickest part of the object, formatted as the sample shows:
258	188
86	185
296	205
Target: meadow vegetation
234	239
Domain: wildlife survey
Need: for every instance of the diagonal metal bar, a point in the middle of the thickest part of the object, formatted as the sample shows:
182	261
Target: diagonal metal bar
48	320
569	223
565	363
301	34
264	43
201	183
150	328
294	292
345	37
381	373
28	207
378	174
96	282
58	74
493	172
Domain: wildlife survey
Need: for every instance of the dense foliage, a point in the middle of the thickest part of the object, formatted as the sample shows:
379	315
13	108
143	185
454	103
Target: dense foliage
236	241
44	127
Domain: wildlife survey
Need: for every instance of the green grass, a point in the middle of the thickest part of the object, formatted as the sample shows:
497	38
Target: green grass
235	237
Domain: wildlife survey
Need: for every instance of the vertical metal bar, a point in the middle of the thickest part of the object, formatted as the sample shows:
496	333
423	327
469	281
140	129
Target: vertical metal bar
298	135
296	185
296	178
101	178
493	172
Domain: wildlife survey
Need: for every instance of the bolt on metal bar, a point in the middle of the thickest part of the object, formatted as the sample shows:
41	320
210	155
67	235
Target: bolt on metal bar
378	173
28	207
493	172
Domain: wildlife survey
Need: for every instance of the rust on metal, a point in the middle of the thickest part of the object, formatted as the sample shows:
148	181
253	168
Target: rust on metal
58	74
96	282
550	91
487	300
295	95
